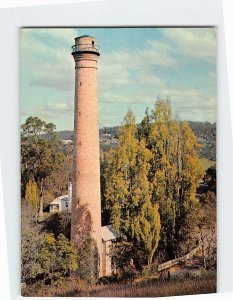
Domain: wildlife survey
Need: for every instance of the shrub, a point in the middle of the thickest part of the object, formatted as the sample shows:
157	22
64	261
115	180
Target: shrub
58	257
88	261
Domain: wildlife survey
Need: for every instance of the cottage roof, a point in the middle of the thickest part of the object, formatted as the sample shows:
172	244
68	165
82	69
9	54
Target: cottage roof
59	199
108	233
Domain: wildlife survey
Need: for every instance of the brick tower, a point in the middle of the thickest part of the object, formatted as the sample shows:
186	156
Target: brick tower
86	199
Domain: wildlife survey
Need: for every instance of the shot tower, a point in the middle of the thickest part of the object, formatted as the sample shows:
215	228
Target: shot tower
86	199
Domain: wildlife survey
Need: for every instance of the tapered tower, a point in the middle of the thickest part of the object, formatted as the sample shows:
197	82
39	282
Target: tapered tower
86	199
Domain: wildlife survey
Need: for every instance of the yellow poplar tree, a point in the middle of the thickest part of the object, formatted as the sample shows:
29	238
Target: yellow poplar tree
128	192
174	175
31	194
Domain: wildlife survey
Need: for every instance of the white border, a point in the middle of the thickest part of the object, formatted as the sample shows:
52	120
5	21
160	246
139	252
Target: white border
114	13
20	3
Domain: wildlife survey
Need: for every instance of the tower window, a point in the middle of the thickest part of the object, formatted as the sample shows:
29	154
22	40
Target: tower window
79	113
93	43
80	83
79	143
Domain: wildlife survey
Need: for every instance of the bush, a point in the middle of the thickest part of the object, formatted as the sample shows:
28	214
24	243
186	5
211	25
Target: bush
31	243
58	223
88	261
150	270
58	257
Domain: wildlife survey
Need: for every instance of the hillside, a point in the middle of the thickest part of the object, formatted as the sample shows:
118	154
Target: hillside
204	131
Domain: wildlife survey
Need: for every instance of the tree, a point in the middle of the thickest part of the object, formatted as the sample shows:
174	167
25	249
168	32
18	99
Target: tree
47	256
105	213
151	181
31	242
88	261
128	192
207	229
210	178
58	223
41	154
57	257
43	255
31	194
174	175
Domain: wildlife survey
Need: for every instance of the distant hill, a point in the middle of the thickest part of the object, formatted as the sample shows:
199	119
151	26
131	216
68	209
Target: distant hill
66	134
206	136
204	131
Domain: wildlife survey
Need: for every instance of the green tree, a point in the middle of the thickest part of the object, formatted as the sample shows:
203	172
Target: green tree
66	256
41	154
210	178
128	192
88	261
58	223
48	257
31	242
57	257
105	213
174	175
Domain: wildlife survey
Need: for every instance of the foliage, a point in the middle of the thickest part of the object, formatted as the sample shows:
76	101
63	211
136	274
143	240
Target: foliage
31	194
121	254
57	223
150	185
210	178
58	257
207	230
105	213
88	261
31	242
40	154
174	175
206	133
128	195
42	254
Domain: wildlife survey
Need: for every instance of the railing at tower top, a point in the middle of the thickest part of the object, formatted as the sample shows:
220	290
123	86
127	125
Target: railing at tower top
85	47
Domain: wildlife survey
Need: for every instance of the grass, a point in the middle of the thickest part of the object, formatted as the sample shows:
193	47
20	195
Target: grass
147	288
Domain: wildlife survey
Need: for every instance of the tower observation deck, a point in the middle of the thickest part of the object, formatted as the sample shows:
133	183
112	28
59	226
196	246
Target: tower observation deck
85	44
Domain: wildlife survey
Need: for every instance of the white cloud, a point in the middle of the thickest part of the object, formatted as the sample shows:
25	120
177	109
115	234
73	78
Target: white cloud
59	107
125	77
192	104
50	66
196	43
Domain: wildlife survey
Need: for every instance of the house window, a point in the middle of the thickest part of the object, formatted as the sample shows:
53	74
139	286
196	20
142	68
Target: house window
67	204
56	208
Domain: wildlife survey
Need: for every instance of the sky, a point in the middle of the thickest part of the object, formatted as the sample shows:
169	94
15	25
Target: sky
136	67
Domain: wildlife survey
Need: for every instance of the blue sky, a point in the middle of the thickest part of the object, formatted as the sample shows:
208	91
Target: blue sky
136	66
